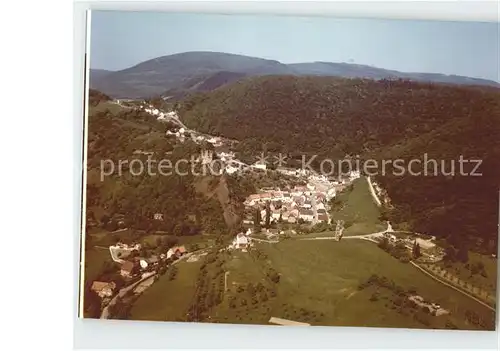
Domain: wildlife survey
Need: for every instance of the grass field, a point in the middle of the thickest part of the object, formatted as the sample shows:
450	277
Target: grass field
106	106
319	285
105	238
358	210
168	300
94	261
151	239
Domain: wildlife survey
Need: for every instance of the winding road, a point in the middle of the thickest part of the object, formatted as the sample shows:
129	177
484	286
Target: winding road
372	191
453	287
122	292
265	241
369	237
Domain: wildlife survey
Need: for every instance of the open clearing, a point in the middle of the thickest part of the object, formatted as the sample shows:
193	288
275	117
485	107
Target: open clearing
94	261
168	300
358	210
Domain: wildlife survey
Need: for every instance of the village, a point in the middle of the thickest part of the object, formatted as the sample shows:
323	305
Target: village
295	198
134	269
298	204
307	203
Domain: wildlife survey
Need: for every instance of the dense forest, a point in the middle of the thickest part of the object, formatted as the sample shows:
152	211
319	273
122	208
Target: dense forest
331	115
386	119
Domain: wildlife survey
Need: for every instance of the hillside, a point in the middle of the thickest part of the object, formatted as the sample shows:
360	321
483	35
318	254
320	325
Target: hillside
202	83
330	114
333	117
98	73
123	195
462	208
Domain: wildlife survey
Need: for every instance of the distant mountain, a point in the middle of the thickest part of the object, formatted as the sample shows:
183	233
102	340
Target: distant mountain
347	70
154	77
179	74
98	73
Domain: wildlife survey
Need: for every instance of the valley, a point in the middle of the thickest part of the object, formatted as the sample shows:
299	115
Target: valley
212	258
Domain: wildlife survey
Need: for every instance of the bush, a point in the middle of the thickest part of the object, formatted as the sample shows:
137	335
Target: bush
404	259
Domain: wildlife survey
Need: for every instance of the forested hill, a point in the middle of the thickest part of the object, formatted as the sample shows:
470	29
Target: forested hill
132	197
333	117
338	115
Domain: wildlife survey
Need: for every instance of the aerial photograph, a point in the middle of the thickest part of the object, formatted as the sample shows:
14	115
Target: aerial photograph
290	171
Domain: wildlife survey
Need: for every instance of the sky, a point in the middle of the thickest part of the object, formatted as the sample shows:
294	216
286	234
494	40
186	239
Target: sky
122	39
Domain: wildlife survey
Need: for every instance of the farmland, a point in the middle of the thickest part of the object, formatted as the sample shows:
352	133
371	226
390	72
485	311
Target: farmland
356	207
168	300
325	276
321	283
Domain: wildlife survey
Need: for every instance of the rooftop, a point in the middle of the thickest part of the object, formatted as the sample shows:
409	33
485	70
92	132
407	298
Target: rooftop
98	286
128	266
306	212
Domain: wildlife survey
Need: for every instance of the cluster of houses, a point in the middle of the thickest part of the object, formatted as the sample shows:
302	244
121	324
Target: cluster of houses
129	268
307	203
312	176
215	141
304	202
429	249
133	267
180	134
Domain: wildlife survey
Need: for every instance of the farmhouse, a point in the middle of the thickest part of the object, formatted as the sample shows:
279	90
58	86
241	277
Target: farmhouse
153	260
143	263
103	289
127	269
241	241
176	251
